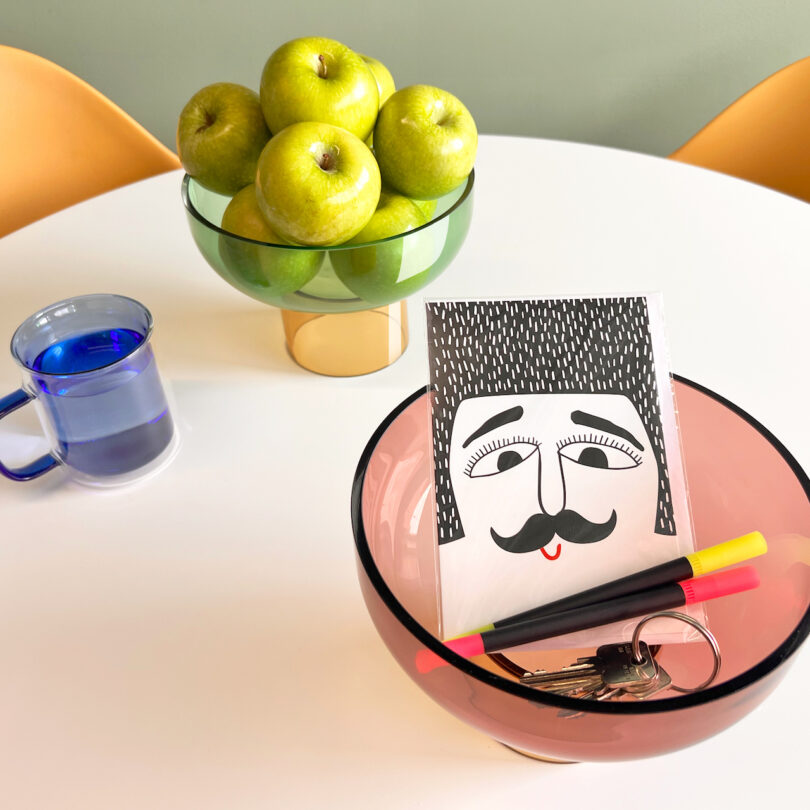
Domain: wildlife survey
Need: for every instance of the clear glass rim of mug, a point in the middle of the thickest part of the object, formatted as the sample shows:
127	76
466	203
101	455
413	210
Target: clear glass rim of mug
31	319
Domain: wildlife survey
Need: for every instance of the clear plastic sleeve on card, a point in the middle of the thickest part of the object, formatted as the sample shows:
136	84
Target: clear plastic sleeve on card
556	457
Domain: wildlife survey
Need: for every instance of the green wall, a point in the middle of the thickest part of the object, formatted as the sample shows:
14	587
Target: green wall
636	74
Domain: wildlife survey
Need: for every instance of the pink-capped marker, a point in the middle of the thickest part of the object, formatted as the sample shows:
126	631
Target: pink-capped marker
663	597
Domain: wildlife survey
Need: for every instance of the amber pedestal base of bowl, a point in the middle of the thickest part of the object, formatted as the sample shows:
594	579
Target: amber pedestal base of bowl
345	344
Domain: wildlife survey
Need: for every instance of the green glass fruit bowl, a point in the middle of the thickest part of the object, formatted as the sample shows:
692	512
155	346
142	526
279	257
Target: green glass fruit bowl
341	278
369	280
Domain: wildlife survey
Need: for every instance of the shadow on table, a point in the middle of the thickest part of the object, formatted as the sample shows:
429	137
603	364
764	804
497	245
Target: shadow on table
217	338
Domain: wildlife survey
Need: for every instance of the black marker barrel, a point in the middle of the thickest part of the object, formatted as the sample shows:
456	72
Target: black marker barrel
674	594
663	574
695	564
662	597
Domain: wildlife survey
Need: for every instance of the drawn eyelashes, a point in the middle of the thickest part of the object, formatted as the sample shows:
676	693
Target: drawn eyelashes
587	449
488	461
612	454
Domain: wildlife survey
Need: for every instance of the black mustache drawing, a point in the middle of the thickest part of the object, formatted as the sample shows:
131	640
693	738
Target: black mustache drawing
539	530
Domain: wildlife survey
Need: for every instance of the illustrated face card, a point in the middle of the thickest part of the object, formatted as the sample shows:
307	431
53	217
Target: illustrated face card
557	461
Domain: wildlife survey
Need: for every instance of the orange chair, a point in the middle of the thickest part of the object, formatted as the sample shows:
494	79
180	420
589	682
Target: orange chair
763	137
63	141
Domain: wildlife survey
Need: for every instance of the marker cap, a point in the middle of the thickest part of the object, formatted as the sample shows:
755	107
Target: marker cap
466	646
723	584
729	553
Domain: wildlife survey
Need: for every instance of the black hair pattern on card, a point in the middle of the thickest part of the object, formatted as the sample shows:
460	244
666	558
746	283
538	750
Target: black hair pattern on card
560	346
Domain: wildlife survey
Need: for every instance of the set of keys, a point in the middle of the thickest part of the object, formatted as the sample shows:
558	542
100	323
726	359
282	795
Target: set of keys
613	672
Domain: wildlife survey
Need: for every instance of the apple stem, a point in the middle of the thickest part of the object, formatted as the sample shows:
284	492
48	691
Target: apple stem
327	162
321	66
209	120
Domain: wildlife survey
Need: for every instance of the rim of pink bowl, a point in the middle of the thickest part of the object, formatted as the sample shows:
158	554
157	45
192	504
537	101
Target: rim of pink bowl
741	681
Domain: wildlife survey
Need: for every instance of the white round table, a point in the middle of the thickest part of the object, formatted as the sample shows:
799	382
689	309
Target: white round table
199	640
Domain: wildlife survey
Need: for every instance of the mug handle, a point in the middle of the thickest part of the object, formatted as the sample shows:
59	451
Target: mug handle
35	468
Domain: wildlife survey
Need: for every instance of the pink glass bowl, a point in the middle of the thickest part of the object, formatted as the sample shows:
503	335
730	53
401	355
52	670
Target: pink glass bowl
740	479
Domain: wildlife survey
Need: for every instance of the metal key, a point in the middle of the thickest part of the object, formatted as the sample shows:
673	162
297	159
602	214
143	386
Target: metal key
659	683
582	676
621	672
619	668
604	675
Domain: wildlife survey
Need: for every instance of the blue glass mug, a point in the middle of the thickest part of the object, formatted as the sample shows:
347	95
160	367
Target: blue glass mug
89	368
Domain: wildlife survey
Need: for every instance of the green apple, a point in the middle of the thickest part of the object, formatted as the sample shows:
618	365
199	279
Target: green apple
425	142
383	77
317	184
428	208
373	271
319	79
243	217
385	86
220	135
276	271
394	214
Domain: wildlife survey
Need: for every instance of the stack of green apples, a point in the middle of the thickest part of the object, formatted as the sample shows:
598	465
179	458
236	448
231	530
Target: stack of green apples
327	153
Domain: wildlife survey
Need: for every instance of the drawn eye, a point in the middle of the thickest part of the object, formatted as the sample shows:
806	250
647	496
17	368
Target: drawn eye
495	460
602	456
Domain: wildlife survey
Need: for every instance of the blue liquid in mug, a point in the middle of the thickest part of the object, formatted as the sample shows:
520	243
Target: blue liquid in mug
127	424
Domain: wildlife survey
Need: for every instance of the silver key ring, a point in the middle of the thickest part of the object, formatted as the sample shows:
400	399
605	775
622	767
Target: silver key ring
707	634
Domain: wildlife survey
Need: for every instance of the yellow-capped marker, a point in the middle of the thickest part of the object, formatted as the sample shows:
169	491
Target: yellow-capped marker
729	553
692	565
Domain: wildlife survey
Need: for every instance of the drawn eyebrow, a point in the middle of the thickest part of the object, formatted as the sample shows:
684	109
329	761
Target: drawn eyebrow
502	418
597	422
